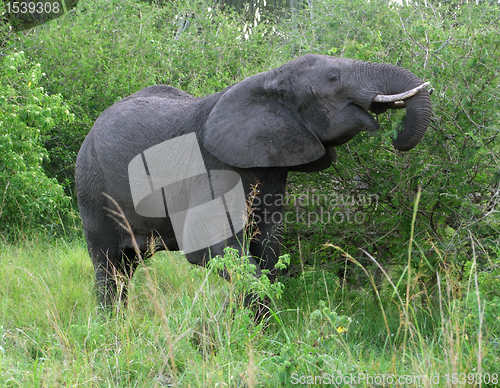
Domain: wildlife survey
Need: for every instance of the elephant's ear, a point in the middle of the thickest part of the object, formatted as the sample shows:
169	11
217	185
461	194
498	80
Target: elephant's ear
250	126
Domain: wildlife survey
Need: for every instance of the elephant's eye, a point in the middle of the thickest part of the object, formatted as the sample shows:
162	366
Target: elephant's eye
333	76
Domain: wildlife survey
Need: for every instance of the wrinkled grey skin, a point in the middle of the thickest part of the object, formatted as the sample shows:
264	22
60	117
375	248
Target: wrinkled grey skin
286	119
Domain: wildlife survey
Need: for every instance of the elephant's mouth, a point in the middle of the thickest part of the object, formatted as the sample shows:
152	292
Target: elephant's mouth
359	120
374	117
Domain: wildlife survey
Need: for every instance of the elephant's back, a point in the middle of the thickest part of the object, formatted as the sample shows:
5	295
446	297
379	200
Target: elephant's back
162	91
142	120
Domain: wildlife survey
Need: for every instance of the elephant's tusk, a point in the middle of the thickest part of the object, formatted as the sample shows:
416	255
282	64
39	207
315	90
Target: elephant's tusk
398	97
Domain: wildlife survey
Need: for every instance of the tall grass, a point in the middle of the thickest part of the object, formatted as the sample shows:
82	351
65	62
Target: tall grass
177	330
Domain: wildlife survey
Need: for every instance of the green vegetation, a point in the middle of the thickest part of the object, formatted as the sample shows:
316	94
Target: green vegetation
28	199
385	286
184	327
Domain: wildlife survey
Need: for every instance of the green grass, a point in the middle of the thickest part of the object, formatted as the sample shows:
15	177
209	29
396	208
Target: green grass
177	330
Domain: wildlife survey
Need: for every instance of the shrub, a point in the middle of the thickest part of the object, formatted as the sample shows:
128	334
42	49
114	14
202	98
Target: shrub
456	164
28	198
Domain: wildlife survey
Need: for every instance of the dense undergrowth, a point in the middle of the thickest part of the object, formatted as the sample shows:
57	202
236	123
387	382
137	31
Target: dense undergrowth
185	327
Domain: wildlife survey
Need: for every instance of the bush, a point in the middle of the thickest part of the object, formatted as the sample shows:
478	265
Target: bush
28	198
372	187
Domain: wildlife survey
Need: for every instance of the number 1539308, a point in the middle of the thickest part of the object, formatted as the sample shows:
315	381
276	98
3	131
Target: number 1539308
33	7
472	378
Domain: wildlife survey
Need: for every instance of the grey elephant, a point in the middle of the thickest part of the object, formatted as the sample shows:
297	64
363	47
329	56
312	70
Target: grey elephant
252	133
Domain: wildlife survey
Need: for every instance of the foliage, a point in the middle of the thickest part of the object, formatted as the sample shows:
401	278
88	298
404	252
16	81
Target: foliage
242	273
28	198
326	331
370	191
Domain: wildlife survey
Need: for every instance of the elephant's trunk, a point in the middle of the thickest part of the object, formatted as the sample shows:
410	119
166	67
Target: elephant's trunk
390	84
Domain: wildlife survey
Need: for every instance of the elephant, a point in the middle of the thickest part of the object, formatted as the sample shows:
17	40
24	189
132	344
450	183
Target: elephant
179	167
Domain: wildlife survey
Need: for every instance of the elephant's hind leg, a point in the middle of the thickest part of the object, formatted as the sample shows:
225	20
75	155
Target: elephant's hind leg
106	275
125	270
114	271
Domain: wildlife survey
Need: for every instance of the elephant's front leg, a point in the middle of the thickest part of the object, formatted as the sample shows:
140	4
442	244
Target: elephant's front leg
266	218
267	238
261	239
265	227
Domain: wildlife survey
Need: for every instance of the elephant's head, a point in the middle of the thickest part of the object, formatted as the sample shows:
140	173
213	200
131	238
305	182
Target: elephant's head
288	116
